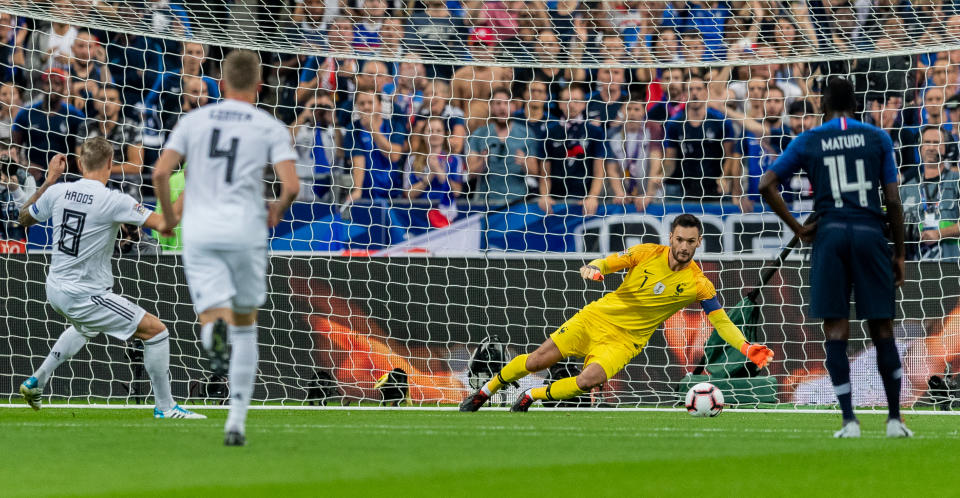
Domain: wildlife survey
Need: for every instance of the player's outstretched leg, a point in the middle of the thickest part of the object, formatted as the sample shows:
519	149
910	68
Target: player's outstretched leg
68	344
156	361
519	367
888	363
569	387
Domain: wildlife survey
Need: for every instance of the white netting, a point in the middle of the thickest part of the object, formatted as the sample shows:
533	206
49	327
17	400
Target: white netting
537	137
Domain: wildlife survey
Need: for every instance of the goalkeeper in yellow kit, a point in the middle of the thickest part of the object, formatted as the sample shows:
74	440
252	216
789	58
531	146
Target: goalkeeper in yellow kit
612	330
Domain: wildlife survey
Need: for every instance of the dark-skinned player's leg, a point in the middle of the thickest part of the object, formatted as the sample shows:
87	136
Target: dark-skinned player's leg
831	285
837	332
888	362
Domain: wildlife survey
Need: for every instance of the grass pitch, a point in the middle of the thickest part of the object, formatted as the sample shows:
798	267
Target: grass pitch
68	451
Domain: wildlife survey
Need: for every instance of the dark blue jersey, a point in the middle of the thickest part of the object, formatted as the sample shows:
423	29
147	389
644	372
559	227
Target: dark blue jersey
847	162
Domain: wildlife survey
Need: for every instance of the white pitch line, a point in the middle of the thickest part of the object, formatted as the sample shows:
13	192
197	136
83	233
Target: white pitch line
826	411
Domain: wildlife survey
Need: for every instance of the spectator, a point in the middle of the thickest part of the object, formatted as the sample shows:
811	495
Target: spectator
932	113
330	73
48	127
532	20
165	95
698	150
281	79
134	62
673	87
773	107
367	27
473	84
50	47
89	60
376	150
632	157
193	94
575	156
394	47
667	46
931	203
13	35
313	17
801	116
605	103
710	18
435	173
435	34
501	155
548	70
884	111
765	106
436	104
9	107
16	187
125	135
318	142
535	112
406	90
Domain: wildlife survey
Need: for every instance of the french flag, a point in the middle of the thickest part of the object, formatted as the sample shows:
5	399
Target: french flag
843	123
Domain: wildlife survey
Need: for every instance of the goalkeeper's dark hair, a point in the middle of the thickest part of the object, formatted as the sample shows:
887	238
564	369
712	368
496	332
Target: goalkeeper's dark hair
839	97
241	70
687	221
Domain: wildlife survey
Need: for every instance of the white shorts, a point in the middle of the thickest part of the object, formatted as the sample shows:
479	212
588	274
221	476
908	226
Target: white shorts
234	278
106	313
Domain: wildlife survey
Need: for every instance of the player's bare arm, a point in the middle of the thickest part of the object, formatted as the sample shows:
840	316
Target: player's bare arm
166	164
289	189
891	199
54	171
771	195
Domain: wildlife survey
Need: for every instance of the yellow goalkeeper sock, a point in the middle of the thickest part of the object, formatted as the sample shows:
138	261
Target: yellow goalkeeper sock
562	389
515	370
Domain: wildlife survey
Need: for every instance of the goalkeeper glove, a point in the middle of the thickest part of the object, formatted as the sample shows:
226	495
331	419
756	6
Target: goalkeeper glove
759	354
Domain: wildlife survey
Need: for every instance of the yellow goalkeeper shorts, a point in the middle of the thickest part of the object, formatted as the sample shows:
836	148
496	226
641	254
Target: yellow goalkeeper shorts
592	338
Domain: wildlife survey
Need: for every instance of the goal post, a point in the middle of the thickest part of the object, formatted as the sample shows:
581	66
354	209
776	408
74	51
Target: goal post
460	160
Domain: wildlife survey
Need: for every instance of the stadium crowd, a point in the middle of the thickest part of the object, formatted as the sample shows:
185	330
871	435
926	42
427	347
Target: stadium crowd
545	129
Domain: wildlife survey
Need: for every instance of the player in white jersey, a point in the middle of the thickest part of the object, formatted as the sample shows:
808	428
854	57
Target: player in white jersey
225	220
86	218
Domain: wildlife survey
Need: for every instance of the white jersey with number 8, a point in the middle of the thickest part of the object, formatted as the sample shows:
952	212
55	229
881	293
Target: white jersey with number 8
226	147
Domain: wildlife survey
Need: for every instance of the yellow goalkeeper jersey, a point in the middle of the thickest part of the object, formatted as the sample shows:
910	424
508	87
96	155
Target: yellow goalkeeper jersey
651	292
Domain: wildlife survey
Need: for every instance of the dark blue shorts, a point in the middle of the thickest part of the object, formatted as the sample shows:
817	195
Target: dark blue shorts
851	256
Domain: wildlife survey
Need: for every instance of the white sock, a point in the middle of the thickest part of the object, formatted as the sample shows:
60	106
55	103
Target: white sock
69	343
156	360
206	336
243	373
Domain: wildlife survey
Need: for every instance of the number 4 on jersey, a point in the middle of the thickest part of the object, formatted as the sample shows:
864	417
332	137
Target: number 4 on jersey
230	154
837	166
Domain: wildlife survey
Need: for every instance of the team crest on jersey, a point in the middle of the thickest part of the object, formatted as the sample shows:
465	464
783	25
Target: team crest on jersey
140	209
659	288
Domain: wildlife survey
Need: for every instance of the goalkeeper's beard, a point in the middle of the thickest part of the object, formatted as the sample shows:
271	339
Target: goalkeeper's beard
680	256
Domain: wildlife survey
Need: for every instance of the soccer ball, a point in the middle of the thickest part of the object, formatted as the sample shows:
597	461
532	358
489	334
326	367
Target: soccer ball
704	400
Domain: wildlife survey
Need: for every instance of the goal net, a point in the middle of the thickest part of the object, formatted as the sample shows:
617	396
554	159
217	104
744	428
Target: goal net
460	160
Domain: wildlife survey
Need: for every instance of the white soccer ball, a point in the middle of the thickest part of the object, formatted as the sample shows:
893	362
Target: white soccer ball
704	400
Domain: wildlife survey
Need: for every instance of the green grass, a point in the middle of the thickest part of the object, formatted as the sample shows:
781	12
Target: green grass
67	451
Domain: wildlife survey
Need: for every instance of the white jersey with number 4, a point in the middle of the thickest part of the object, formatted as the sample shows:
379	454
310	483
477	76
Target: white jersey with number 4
86	218
226	147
